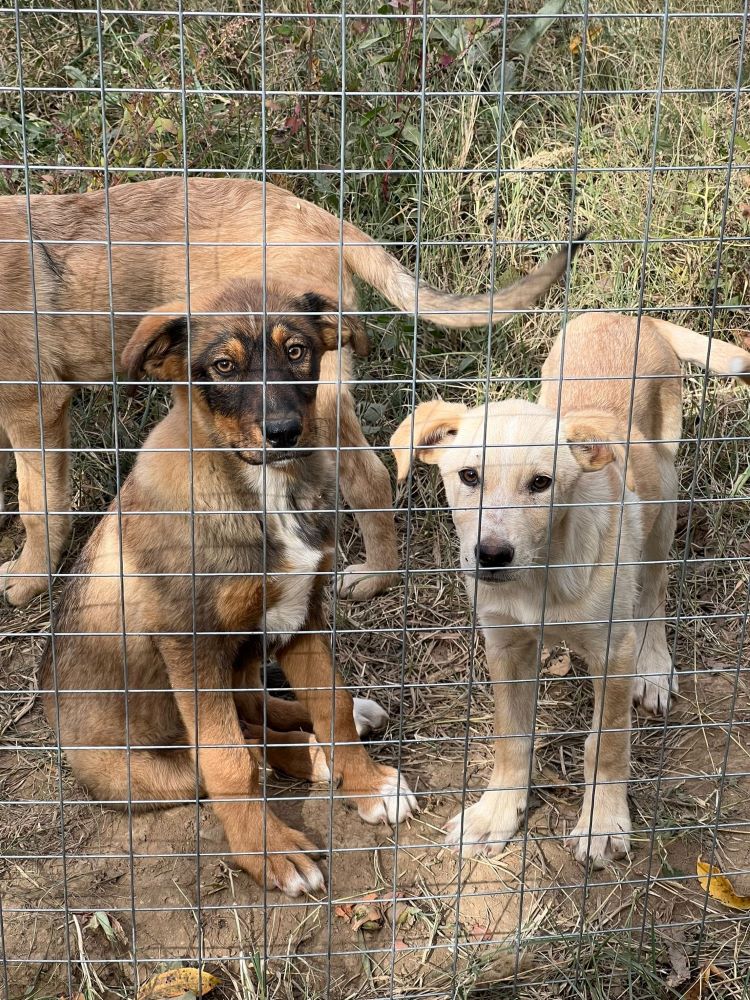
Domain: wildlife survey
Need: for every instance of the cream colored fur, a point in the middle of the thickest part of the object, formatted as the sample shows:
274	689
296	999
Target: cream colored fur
585	568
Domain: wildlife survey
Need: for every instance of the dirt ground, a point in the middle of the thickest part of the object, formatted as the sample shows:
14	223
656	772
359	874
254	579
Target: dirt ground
529	917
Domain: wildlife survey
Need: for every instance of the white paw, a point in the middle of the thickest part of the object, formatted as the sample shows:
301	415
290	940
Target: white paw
361	582
319	770
393	803
488	825
301	883
608	838
369	717
655	682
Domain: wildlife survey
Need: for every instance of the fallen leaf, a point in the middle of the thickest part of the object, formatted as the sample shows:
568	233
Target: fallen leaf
745	211
403	915
719	887
176	982
401	945
345	911
696	990
110	926
680	966
368	917
591	36
558	664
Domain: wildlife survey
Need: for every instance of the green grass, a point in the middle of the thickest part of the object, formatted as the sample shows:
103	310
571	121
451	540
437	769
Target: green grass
612	139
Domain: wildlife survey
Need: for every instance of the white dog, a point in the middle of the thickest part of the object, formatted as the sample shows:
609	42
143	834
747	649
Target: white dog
546	538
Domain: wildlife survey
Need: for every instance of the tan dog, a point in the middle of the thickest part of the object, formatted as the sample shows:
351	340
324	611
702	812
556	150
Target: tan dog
525	497
233	231
250	564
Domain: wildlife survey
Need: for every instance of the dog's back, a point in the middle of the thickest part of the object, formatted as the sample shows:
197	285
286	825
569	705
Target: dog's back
600	354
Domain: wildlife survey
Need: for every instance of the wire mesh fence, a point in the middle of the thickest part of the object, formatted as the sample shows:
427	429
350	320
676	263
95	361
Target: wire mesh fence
275	721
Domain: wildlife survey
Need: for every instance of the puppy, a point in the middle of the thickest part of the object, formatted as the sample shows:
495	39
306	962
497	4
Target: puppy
545	538
223	558
102	260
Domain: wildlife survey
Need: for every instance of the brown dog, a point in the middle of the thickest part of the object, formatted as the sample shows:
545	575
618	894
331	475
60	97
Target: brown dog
223	557
233	231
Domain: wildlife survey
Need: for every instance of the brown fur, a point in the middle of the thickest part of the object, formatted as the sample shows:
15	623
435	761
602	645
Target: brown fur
140	702
81	333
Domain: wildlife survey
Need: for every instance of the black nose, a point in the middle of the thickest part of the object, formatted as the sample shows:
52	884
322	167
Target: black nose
283	433
491	556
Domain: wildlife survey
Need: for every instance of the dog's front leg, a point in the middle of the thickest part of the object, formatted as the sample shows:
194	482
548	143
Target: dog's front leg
229	773
489	825
378	791
603	830
43	497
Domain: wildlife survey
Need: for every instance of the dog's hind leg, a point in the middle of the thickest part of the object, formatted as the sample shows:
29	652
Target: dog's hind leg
284	715
297	754
26	576
379	792
366	487
138	777
656	679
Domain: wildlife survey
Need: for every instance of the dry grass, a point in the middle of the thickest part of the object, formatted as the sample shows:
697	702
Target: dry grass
607	939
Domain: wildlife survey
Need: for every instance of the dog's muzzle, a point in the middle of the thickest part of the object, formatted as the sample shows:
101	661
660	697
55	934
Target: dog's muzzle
273	456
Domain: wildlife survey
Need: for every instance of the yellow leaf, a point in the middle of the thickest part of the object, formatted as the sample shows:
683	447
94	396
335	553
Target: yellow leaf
591	36
719	887
175	982
558	664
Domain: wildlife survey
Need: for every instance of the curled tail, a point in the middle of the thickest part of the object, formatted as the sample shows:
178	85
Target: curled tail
378	268
717	356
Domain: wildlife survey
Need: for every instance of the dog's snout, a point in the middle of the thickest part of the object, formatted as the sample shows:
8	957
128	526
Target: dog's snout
283	433
494	556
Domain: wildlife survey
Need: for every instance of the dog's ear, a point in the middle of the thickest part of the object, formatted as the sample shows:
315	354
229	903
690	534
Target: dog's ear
352	330
158	346
593	438
433	424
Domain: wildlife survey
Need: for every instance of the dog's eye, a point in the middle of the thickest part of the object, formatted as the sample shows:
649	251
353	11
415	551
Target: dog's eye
296	352
540	483
469	477
224	366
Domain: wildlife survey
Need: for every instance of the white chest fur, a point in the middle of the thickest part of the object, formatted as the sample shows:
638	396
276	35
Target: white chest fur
292	588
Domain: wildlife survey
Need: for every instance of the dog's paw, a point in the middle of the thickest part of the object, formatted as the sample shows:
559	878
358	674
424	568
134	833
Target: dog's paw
369	717
319	770
18	589
655	682
362	582
488	825
381	795
286	869
608	838
654	692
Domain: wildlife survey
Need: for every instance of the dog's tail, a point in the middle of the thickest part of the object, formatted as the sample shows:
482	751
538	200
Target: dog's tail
717	356
378	268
